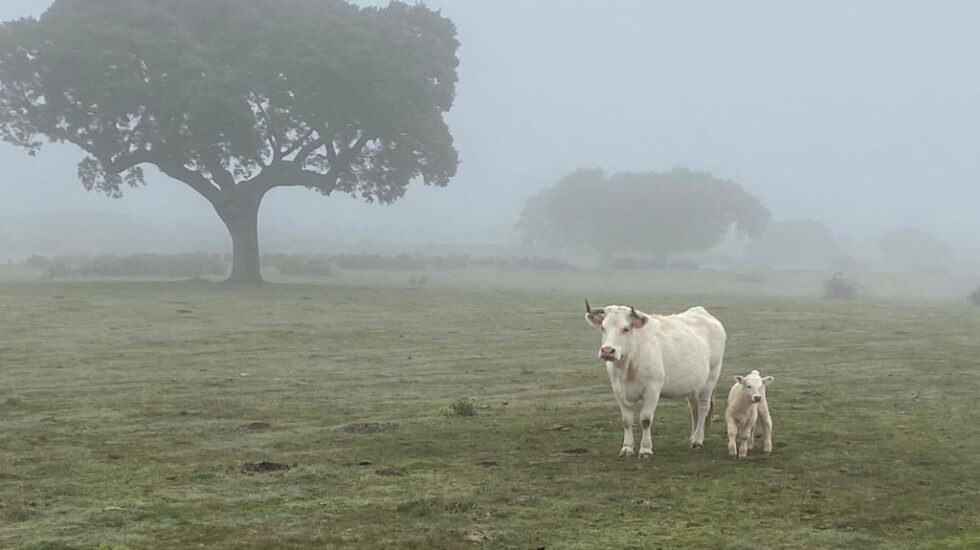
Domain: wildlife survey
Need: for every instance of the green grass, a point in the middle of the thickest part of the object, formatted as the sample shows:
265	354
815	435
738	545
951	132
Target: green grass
125	412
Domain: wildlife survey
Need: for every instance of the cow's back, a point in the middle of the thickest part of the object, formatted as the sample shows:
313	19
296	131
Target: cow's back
700	320
692	345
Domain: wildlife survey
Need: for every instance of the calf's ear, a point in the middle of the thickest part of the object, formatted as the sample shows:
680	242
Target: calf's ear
594	319
766	380
738	379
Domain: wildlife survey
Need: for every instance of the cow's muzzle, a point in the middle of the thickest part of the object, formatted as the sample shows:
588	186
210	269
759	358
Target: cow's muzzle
607	353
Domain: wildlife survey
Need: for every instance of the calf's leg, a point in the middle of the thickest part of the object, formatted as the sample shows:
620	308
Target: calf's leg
732	437
743	442
766	420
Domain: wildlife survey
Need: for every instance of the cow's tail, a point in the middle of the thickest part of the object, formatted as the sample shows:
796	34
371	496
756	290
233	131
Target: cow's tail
711	412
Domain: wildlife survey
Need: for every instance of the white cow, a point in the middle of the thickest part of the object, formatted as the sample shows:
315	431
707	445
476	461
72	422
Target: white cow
746	404
649	356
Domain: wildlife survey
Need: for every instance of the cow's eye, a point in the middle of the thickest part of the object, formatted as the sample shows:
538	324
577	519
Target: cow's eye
625	330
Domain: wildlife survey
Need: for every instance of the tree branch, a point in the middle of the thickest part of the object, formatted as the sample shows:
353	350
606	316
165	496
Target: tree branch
197	182
271	133
222	177
129	160
293	173
305	152
299	144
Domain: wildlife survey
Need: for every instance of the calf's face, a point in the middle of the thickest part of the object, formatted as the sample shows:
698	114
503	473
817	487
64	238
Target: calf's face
753	384
617	325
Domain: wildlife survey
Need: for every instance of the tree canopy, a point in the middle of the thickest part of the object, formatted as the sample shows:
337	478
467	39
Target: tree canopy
915	249
653	213
236	97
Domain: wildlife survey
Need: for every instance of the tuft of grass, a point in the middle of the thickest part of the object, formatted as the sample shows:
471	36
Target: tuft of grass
464	406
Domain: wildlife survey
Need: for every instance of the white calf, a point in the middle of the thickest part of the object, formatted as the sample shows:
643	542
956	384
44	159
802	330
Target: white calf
747	404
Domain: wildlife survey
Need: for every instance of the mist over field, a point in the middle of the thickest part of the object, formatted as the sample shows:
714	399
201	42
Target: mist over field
859	115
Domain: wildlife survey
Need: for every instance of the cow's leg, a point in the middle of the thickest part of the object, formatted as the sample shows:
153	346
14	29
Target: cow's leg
627	416
766	420
693	404
751	436
732	437
704	406
650	399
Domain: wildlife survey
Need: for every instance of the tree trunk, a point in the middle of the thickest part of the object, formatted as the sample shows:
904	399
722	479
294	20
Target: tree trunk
241	217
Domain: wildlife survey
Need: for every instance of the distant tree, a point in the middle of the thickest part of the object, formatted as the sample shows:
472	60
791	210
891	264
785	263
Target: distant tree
914	249
236	97
796	243
653	214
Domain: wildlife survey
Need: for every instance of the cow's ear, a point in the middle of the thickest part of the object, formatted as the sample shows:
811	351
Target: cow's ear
595	319
766	380
738	379
639	320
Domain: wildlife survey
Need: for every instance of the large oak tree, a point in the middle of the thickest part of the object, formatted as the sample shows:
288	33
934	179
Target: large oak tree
236	97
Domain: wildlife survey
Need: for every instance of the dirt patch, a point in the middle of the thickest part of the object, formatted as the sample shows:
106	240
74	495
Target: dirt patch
370	427
262	467
364	463
479	535
575	451
487	463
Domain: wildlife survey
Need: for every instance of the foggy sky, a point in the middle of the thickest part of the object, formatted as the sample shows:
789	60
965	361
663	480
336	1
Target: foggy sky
862	114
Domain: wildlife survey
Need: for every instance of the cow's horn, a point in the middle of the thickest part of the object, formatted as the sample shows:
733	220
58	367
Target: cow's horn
588	308
633	312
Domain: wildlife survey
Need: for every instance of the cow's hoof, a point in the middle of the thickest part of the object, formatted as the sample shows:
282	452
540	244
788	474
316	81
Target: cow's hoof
626	452
767	453
645	454
696	445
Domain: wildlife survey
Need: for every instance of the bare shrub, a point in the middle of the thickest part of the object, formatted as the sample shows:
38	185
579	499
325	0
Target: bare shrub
839	288
975	297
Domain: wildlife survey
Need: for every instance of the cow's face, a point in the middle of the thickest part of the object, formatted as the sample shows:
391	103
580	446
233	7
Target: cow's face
752	385
617	324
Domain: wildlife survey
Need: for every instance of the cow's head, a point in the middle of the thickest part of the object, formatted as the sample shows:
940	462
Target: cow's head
752	384
617	324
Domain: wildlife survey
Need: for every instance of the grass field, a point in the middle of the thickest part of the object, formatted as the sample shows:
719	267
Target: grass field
129	409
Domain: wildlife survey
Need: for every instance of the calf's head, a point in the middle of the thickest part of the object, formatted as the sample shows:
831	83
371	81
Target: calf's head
617	324
752	384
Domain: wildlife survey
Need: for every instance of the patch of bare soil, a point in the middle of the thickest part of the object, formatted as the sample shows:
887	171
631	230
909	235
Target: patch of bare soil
264	466
256	426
